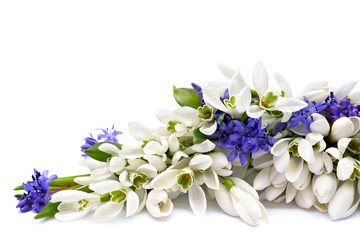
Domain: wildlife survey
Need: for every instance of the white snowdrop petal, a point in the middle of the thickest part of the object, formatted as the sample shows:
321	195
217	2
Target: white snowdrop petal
271	192
262	180
356	123
290	104
345	168
212	98
295	168
334	152
211	178
226	70
132	203
208	128
290	193
68	196
108	211
200	162
165	179
71	216
260	79
246	187
117	164
254	111
343	144
204	147
281	162
342	200
224	201
197	200
283	84
152	147
148	169
105	186
109	148
237	83
305	198
344	89
341	128
280	147
139	131
243	100
306	151
219	160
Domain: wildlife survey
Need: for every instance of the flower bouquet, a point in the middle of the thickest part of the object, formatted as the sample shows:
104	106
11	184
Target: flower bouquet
227	141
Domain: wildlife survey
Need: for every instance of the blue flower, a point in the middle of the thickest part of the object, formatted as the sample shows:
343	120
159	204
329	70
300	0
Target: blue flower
336	109
108	136
243	139
37	194
304	115
198	89
89	141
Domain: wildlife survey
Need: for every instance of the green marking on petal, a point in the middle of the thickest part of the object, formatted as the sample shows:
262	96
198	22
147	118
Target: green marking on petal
354	146
118	196
185	179
139	179
293	148
269	100
171	126
206	113
230	103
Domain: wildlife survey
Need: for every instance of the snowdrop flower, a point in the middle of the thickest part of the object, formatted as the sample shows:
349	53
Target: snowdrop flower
305	198
272	100
347	168
188	175
158	203
344	127
324	187
114	195
345	201
316	91
74	204
238	198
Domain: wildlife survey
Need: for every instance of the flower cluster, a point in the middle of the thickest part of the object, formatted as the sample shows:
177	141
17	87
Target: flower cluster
37	194
227	141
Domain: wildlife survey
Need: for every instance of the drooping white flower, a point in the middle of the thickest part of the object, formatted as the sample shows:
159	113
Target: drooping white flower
158	203
344	127
316	91
74	204
345	201
239	198
324	187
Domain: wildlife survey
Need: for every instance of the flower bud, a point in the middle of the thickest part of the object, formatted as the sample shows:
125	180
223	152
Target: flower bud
324	187
158	203
344	203
342	127
320	125
305	198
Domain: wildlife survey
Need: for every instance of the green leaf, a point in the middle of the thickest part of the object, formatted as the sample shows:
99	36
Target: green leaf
198	136
48	211
65	180
187	97
95	153
21	187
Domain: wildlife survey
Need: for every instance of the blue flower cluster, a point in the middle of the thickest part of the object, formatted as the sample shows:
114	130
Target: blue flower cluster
37	192
106	136
242	139
336	109
304	115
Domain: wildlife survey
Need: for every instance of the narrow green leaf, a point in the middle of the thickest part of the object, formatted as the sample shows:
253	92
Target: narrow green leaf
96	154
65	180
21	187
187	97
19	195
48	211
198	136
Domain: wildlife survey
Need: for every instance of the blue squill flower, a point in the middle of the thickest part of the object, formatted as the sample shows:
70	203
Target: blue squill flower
336	109
304	115
243	139
37	194
89	141
108	135
198	89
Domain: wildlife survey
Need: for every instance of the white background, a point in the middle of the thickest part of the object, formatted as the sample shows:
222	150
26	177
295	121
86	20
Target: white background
69	67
